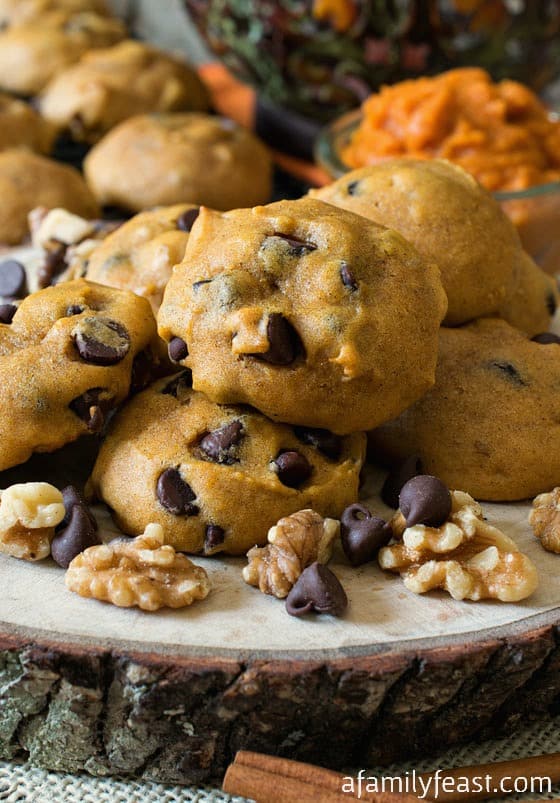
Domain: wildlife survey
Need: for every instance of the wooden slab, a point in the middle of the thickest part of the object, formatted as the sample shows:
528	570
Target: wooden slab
172	695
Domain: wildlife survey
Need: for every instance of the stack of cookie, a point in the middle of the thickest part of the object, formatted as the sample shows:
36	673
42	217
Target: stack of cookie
490	425
300	327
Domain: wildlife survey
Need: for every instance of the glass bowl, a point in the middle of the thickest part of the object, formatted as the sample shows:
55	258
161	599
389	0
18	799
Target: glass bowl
535	211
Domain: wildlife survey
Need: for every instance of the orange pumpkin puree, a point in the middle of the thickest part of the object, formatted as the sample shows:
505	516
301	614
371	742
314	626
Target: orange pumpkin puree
500	132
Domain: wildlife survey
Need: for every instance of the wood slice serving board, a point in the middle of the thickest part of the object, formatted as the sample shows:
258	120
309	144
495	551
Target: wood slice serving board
172	695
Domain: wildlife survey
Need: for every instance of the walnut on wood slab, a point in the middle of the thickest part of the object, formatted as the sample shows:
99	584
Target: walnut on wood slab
545	520
466	557
294	543
140	572
29	513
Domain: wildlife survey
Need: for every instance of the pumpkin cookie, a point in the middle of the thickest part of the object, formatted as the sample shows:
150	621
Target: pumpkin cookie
140	254
311	314
107	86
490	424
217	477
22	127
68	355
184	158
450	219
532	297
28	180
16	12
35	51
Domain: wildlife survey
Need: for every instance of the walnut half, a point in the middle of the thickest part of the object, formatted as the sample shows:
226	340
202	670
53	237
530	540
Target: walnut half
545	520
294	543
466	557
140	571
29	512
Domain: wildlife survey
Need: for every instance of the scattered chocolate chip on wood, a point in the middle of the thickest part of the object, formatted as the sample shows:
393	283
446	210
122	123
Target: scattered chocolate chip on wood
362	534
425	500
78	535
317	590
13	279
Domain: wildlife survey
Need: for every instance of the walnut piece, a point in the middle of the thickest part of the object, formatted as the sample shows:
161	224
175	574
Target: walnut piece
466	557
29	512
294	543
545	520
140	571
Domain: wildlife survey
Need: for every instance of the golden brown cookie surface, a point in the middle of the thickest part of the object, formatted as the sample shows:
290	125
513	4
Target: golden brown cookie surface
450	219
16	12
531	299
490	424
107	86
184	158
22	127
311	314
28	180
217	477
140	254
33	52
67	357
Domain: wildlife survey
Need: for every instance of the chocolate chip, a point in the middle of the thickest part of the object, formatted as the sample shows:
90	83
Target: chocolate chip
317	589
217	445
13	280
551	304
101	342
283	340
298	248
546	338
92	406
362	534
509	372
292	468
398	477
425	500
74	309
178	384
186	219
175	495
177	349
352	187
213	538
7	312
53	265
197	285
78	535
326	442
72	497
348	278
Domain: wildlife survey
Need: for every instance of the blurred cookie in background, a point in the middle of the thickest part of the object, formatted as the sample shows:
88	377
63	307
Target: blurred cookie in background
33	52
165	159
107	86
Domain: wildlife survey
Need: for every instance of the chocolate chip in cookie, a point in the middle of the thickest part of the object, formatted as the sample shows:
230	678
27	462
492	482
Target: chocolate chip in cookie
297	247
186	220
101	342
546	338
326	442
177	349
509	372
13	280
92	406
284	343
213	538
348	279
175	495
292	468
7	312
218	445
